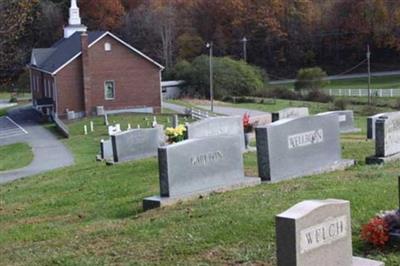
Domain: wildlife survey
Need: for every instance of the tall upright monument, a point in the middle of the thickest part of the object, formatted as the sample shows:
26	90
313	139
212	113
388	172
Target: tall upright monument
74	21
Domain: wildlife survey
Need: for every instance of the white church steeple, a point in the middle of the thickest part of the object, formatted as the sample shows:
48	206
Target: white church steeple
75	24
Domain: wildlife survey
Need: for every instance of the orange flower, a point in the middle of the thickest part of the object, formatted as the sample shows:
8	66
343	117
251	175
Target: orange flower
376	232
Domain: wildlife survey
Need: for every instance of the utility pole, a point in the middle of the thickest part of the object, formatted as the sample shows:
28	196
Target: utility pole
369	74
244	41
210	47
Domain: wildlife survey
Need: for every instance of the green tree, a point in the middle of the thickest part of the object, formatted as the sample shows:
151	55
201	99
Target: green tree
310	79
231	77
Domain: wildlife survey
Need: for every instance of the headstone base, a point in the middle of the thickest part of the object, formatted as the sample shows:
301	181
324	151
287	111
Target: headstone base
337	166
250	149
352	130
110	162
382	160
366	262
157	201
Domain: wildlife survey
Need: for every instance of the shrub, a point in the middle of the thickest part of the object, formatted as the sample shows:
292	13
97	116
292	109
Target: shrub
310	79
284	93
231	77
397	104
13	99
228	98
318	96
369	110
340	104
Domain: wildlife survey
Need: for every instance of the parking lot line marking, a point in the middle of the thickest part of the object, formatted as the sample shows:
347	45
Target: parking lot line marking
12	121
11	135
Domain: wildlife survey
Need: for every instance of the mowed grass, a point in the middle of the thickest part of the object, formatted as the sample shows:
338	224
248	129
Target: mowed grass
15	156
386	82
91	214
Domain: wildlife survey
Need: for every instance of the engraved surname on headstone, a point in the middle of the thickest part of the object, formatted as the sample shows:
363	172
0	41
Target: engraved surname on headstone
323	234
208	158
306	139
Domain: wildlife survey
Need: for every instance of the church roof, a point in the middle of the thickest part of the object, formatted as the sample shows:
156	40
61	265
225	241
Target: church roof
53	59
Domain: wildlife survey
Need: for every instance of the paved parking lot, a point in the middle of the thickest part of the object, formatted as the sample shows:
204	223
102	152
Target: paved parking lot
23	125
9	128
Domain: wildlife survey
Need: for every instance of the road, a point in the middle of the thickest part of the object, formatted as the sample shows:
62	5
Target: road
22	125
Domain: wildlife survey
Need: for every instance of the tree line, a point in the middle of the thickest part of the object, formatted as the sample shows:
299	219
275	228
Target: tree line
282	35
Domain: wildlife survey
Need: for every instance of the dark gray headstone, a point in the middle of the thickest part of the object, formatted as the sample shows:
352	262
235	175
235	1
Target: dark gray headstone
136	144
317	232
197	167
106	150
217	126
175	121
371	121
293	112
387	139
346	121
298	147
371	125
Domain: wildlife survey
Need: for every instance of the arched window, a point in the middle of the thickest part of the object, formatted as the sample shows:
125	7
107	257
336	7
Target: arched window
107	46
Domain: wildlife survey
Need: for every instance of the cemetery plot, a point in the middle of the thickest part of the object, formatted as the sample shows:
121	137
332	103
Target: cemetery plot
387	142
346	121
298	147
197	167
217	126
290	113
317	232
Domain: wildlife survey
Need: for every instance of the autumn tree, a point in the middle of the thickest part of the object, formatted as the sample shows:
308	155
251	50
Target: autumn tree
102	14
16	20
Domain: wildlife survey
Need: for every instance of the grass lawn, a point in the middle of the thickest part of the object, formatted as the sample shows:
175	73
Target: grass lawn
15	156
91	214
388	82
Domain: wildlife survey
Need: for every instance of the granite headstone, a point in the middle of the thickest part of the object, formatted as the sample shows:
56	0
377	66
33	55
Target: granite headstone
371	121
106	150
387	139
292	112
136	144
197	167
317	232
298	147
217	126
260	120
346	121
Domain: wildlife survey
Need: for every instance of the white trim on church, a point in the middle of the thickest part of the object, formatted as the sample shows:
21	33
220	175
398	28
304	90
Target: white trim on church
75	22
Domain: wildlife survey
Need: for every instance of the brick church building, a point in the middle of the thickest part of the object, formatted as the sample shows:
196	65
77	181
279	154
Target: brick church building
90	69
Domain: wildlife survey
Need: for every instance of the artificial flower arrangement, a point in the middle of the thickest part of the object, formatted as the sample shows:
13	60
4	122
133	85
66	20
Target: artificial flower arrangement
382	230
176	134
246	123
